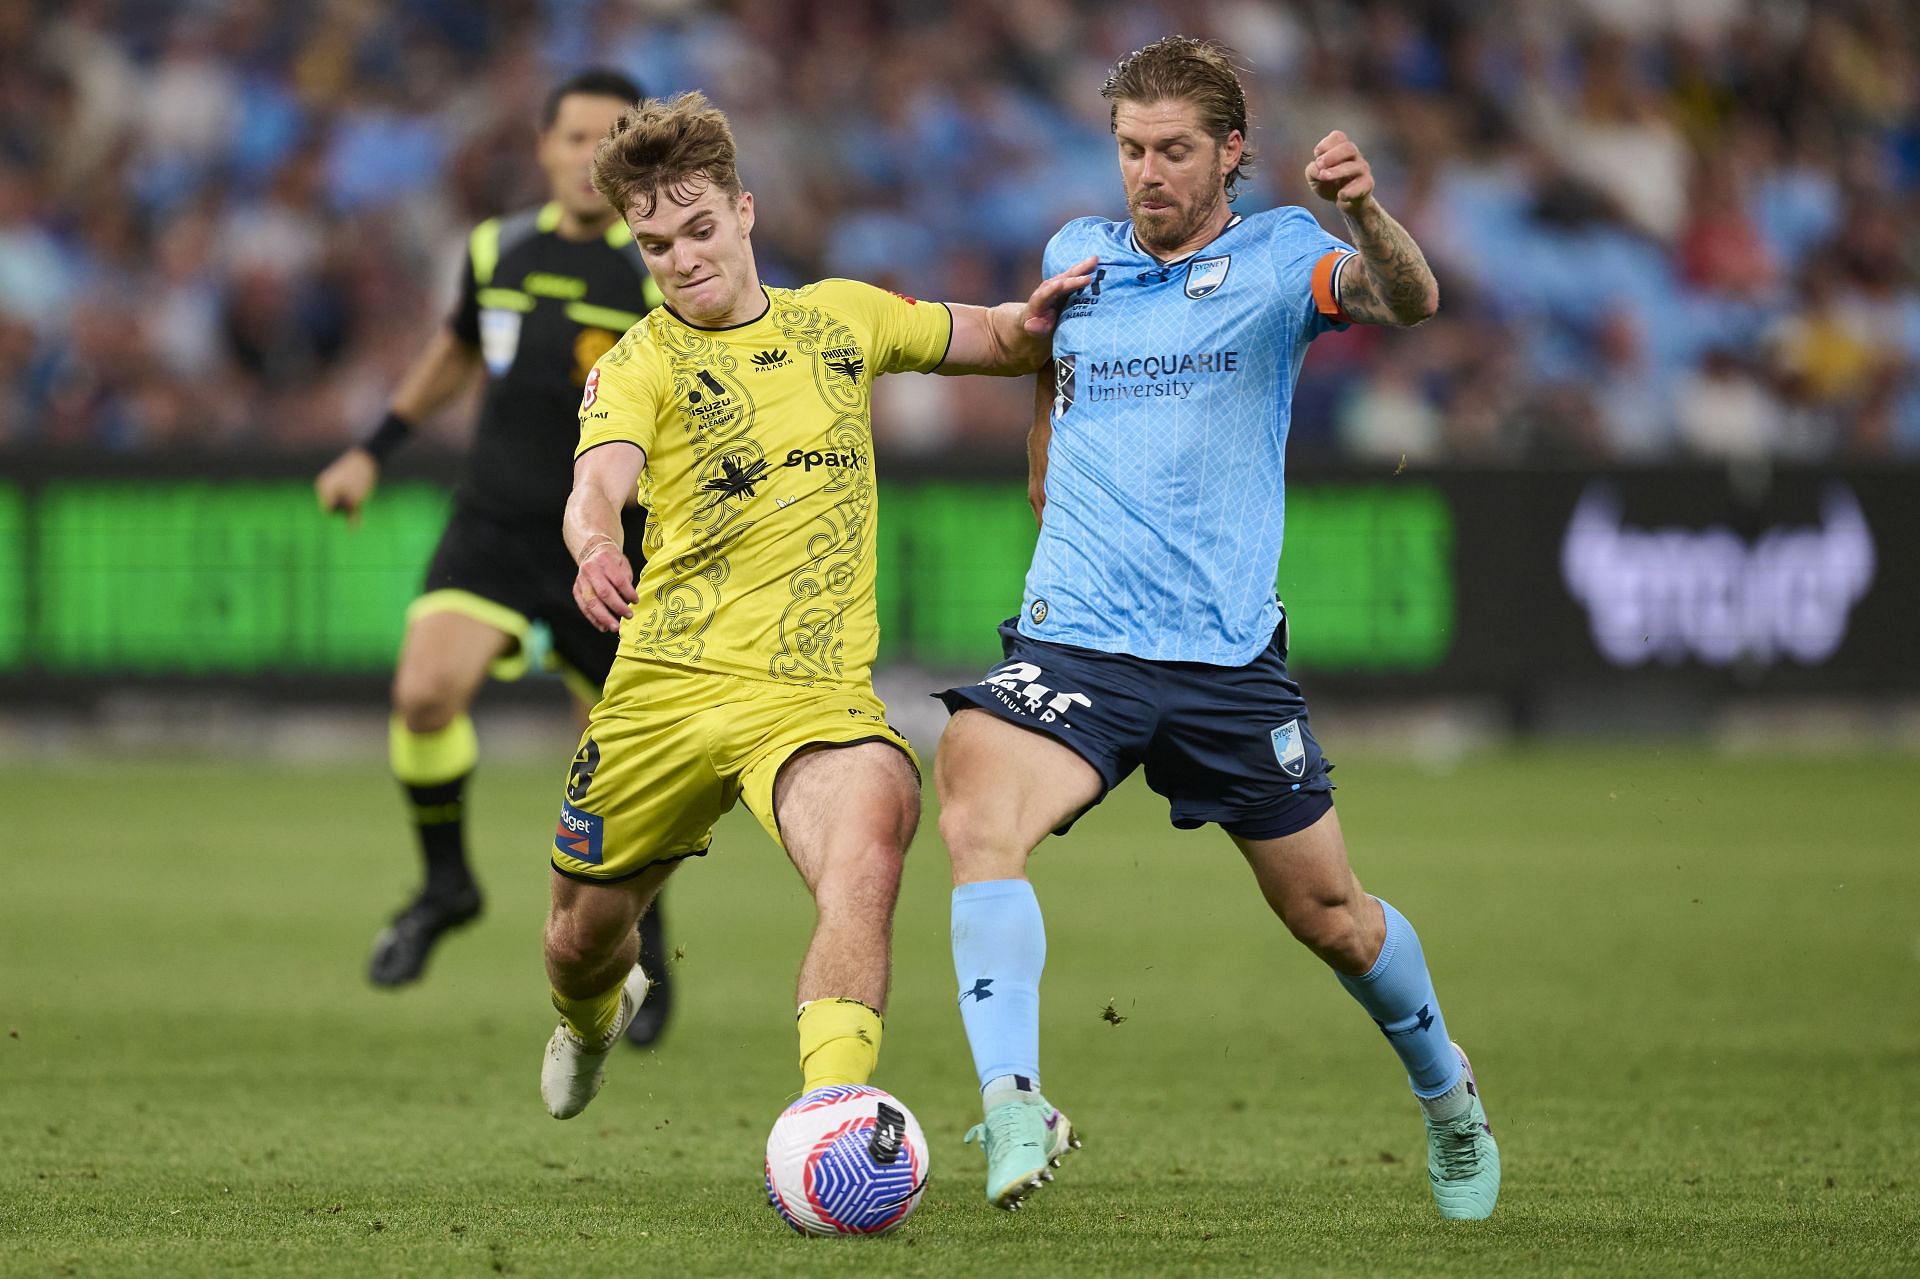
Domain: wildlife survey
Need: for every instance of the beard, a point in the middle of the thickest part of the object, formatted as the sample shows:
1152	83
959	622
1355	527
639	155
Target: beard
1174	226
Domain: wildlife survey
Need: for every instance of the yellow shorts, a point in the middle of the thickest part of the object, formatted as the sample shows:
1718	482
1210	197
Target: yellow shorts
668	750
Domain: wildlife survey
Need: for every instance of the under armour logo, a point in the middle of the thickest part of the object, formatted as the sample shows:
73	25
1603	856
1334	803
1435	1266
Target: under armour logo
979	991
1421	1020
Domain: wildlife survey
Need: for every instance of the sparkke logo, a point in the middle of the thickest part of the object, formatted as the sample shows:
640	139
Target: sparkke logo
1668	594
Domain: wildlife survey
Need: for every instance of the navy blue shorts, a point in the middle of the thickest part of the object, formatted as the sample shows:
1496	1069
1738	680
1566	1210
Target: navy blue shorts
1224	744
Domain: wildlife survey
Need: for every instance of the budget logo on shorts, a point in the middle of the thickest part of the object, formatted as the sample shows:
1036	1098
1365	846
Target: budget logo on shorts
1290	748
1207	275
579	833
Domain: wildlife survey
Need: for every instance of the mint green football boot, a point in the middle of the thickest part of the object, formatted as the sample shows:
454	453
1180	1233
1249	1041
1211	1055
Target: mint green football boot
1463	1161
1024	1142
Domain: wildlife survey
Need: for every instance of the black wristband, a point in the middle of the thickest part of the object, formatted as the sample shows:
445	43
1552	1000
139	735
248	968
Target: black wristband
387	436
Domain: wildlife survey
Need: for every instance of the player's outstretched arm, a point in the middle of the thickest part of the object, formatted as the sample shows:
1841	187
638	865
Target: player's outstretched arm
1014	337
1395	284
603	478
442	372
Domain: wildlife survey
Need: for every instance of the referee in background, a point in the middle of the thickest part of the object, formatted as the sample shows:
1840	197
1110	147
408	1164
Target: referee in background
545	293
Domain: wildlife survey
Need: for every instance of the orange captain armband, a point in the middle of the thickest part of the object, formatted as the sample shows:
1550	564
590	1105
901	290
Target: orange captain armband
1325	300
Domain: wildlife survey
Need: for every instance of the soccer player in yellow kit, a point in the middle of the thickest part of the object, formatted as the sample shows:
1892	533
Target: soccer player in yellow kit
746	652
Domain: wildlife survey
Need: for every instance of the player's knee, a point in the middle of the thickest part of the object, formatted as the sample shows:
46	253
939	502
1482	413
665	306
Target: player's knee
960	829
1331	929
862	878
875	862
980	844
426	702
572	942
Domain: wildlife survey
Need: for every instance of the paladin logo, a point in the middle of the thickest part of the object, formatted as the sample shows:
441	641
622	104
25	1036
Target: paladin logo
774	359
846	361
736	480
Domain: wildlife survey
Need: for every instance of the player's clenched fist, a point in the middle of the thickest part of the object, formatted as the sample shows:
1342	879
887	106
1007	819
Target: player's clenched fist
603	589
346	485
1339	172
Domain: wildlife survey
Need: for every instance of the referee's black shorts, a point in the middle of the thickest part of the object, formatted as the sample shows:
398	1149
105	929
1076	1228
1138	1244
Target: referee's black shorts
511	573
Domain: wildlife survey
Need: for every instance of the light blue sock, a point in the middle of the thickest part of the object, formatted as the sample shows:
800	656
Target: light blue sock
999	951
1398	994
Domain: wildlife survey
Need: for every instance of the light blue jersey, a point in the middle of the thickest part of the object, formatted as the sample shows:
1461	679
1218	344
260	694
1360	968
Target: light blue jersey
1165	474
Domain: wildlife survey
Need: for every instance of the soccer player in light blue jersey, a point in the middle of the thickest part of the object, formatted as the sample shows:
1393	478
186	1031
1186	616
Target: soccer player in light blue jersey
1149	634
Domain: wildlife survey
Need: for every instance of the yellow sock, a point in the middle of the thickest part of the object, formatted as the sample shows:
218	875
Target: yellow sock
427	759
839	1042
591	1018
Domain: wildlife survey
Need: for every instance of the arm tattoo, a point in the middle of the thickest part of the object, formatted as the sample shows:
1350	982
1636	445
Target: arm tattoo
1396	285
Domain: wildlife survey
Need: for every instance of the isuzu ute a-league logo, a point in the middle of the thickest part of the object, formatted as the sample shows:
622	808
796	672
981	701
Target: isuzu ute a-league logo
1667	594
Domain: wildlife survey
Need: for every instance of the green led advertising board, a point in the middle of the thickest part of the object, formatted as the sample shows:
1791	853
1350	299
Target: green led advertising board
245	577
13	578
223	578
1367	576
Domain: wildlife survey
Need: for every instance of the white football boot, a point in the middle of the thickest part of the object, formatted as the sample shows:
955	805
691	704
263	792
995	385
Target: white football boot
570	1076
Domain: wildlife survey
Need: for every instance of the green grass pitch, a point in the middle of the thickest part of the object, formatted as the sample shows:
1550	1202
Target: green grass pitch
1688	983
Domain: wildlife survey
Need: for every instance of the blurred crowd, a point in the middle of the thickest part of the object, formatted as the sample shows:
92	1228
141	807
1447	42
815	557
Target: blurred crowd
1663	228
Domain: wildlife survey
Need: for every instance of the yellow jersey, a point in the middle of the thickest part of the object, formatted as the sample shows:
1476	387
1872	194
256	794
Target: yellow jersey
759	477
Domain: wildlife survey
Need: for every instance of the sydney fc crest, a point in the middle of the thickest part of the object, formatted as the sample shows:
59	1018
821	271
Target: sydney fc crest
1290	749
1206	275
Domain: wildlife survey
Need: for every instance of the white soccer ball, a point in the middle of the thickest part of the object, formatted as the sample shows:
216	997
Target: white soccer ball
846	1160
